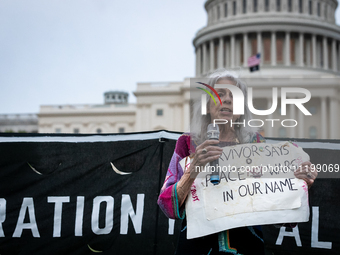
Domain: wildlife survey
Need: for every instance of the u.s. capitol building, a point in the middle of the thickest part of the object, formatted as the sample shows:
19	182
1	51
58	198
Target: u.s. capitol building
299	45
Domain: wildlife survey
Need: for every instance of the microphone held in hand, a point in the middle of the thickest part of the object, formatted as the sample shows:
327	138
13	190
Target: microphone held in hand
213	133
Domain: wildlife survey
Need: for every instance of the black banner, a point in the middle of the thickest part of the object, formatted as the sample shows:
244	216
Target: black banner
75	196
321	235
82	194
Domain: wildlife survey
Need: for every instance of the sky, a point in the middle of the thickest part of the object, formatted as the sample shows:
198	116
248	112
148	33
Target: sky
72	51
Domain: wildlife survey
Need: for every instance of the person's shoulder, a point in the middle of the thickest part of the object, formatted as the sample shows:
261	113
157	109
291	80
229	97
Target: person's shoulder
183	145
257	138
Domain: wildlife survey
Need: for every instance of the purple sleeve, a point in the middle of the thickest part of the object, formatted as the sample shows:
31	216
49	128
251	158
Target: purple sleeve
167	199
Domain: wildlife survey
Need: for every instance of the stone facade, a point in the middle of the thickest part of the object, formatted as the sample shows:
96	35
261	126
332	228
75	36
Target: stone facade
19	123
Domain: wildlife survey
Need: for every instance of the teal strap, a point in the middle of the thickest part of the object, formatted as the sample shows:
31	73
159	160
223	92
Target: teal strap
223	243
179	216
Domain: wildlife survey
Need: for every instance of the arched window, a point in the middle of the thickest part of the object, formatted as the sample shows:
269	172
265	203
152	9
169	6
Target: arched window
255	5
278	5
290	6
266	5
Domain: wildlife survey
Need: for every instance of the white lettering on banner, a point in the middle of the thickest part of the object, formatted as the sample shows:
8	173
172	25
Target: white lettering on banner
257	186
58	208
78	228
127	210
294	233
315	243
2	215
27	205
108	215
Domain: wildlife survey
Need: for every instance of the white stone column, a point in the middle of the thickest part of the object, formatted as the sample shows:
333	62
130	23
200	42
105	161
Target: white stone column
334	56
287	48
259	44
221	53
146	123
314	50
245	49
205	58
301	49
260	5
301	124
273	48
325	53
292	116
198	61
284	5
333	115
323	118
232	51
143	117
176	121
186	116
212	55
270	129
139	120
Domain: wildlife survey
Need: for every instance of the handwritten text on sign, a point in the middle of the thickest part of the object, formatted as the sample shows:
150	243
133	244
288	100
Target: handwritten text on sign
259	194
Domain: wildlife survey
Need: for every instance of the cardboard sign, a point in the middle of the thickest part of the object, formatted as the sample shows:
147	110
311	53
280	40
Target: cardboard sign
257	187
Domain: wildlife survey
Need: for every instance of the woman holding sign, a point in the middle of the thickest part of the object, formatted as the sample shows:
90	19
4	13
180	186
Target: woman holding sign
179	184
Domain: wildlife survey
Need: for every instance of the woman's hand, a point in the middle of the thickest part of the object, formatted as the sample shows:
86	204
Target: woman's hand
205	153
307	173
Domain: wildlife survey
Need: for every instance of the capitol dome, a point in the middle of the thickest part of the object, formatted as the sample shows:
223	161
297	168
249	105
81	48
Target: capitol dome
299	46
294	37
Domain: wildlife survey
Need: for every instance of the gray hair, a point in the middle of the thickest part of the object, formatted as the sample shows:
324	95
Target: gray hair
199	122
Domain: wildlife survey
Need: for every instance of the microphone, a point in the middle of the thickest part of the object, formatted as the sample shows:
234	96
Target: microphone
213	133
